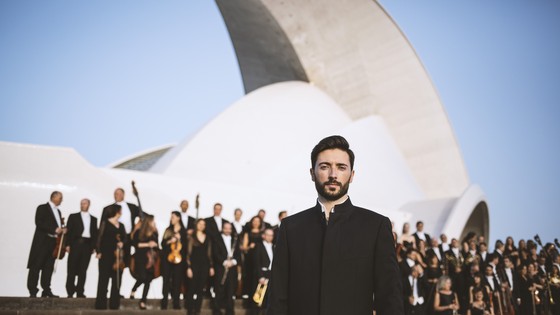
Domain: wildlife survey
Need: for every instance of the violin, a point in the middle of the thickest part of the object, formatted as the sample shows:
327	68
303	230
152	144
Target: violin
119	256
60	249
175	256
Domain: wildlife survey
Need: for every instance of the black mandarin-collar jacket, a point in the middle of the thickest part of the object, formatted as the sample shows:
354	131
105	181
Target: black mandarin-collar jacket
335	268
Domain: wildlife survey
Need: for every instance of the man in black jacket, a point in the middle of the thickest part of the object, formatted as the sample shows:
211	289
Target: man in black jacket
226	255
48	226
82	236
264	254
335	258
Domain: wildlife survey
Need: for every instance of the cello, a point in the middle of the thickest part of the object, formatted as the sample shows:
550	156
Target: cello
60	249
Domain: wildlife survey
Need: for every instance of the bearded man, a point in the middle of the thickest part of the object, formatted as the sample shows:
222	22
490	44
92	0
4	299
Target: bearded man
335	258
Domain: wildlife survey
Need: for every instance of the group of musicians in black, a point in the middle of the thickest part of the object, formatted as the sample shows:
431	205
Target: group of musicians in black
465	277
196	258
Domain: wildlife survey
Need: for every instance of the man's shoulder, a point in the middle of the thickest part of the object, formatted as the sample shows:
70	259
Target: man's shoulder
44	206
367	214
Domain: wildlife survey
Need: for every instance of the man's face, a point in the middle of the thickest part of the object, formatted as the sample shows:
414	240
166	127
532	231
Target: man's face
268	236
119	195
226	229
454	243
483	248
420	227
489	271
262	214
443	238
237	214
332	174
184	206
217	210
84	205
57	199
283	215
434	242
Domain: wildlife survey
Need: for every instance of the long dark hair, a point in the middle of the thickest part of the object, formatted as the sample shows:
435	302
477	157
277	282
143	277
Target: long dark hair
178	214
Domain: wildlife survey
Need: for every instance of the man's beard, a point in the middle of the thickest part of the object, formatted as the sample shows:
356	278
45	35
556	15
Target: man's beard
324	192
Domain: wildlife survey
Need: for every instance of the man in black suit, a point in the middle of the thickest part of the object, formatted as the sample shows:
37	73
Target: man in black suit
415	292
48	226
215	223
333	258
281	215
420	235
188	221
225	255
129	213
264	254
82	237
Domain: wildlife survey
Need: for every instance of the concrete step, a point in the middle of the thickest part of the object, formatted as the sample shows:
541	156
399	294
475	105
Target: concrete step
82	306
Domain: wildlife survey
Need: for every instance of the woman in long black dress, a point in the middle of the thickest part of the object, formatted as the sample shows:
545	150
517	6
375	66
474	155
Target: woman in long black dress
145	243
445	300
172	270
110	241
251	238
199	265
433	273
478	305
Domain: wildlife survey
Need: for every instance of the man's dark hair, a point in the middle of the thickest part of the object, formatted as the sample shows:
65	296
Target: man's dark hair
55	193
281	213
483	243
418	223
329	143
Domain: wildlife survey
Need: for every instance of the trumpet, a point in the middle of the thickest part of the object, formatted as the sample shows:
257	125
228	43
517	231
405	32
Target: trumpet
260	292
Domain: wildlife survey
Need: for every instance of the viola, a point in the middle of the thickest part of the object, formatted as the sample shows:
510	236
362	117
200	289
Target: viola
175	256
60	249
119	256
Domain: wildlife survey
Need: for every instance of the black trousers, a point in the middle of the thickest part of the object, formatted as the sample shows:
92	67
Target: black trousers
107	273
172	278
196	287
78	263
418	309
45	266
224	293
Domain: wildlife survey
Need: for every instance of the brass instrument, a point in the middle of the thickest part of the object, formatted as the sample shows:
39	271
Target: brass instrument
548	283
536	297
260	292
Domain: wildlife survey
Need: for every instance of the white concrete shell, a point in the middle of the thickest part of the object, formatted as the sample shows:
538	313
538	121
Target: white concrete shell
367	84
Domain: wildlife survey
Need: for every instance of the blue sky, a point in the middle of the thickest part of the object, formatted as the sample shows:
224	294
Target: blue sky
111	78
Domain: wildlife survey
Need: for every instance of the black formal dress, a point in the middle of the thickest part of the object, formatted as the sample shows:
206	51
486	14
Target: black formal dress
225	279
109	236
134	213
199	259
249	276
335	268
81	249
172	273
477	310
446	300
144	271
41	259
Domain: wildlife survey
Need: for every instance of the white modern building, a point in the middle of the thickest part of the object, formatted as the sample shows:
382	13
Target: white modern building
311	69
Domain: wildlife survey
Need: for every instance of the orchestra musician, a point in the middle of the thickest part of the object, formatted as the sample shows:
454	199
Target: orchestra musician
110	252
173	266
415	292
215	223
48	226
188	221
128	218
199	266
420	235
225	256
145	242
262	267
81	238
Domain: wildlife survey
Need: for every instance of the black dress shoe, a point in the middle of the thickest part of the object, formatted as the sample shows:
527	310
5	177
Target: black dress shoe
142	305
33	295
81	296
49	295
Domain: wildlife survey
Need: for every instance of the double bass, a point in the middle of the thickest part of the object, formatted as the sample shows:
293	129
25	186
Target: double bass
60	249
152	255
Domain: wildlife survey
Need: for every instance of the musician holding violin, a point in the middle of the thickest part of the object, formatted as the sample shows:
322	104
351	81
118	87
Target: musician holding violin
146	256
49	228
110	252
173	245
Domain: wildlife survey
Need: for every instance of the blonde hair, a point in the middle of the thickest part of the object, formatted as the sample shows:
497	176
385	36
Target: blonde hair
441	282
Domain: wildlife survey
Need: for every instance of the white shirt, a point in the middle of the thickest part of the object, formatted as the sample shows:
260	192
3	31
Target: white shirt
414	284
86	219
438	254
218	223
483	255
185	219
455	251
421	235
227	242
269	252
238	227
410	262
445	247
491	281
126	217
54	210
510	276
